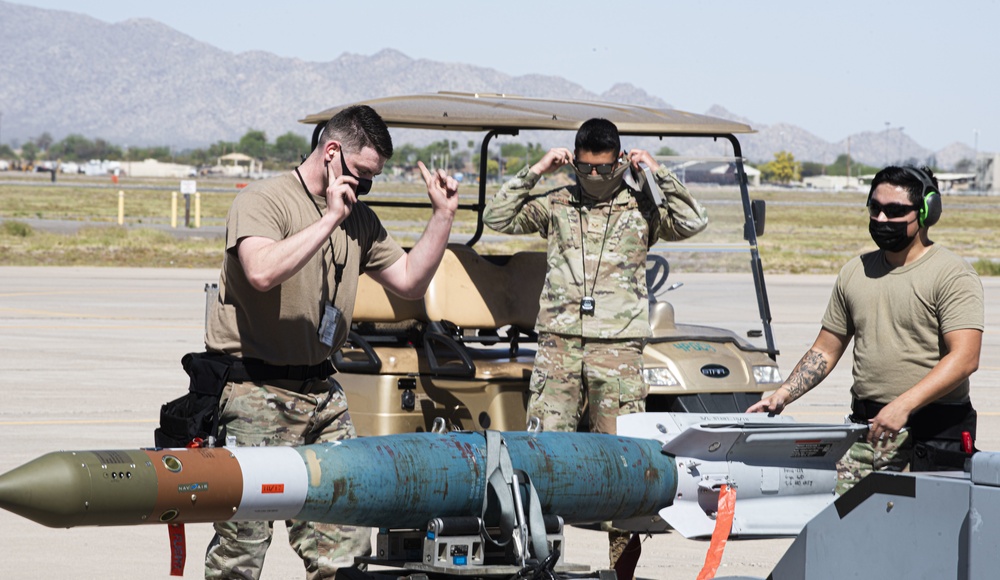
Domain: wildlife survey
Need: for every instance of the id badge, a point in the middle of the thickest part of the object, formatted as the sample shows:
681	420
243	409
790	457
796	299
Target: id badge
328	325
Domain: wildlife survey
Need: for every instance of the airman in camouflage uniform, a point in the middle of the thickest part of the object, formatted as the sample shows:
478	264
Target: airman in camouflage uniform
296	245
864	457
598	236
594	307
270	414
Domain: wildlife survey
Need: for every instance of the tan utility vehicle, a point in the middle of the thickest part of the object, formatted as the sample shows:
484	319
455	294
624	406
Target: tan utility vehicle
461	356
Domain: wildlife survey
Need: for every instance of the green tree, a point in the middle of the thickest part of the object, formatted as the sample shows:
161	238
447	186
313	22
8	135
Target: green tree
29	151
783	169
220	148
74	147
6	152
839	167
812	168
437	154
492	168
512	164
535	153
404	157
158	152
44	141
104	150
513	150
666	152
254	144
194	157
290	147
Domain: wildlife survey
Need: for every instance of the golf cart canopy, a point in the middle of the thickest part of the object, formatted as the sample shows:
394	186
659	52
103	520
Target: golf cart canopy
499	114
506	114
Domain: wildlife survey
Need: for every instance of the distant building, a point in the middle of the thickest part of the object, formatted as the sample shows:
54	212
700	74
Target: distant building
237	165
988	172
99	167
833	182
154	168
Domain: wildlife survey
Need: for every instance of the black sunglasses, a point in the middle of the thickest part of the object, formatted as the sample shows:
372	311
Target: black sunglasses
602	168
891	210
364	185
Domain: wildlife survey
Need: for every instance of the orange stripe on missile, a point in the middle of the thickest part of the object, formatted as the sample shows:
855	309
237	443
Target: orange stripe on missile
184	494
272	488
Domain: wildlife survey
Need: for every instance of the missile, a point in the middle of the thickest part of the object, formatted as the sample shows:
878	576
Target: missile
784	472
394	481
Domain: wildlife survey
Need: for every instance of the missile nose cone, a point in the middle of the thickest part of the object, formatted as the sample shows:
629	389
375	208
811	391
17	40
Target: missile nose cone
46	490
81	488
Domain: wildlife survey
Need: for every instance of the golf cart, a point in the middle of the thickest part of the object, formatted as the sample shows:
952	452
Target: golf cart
461	356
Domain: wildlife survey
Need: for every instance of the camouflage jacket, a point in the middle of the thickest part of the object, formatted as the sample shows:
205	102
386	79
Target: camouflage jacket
595	249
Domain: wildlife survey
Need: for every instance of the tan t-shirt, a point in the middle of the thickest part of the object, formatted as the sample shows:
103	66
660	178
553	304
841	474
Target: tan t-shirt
899	316
280	326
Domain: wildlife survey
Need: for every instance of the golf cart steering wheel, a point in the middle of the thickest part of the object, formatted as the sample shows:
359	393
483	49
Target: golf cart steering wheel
657	270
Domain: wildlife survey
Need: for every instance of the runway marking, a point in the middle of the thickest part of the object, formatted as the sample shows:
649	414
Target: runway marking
61	314
103	326
847	409
79	422
64	314
92	292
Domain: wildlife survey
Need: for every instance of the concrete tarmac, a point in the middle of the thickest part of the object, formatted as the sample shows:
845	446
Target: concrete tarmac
90	354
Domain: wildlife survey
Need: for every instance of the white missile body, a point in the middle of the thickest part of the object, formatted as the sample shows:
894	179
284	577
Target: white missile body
784	472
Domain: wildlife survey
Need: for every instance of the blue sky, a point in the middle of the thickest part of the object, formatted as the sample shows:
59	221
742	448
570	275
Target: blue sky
832	68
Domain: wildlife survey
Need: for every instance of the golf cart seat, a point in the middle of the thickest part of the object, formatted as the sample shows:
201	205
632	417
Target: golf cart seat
474	293
453	355
470	300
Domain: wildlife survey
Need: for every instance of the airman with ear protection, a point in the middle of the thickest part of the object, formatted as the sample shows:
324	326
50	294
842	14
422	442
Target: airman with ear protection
914	312
929	212
929	204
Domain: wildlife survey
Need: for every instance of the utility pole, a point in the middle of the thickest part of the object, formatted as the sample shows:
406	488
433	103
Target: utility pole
975	158
886	144
899	145
848	159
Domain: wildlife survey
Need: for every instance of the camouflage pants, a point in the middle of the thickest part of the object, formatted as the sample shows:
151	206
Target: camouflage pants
863	458
259	414
573	374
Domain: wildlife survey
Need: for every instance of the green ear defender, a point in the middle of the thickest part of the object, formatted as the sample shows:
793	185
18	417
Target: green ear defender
929	211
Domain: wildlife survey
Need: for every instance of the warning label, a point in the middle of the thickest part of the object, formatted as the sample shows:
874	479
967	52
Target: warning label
811	449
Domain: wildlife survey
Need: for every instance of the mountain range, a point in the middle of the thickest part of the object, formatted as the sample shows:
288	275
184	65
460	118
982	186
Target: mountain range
141	83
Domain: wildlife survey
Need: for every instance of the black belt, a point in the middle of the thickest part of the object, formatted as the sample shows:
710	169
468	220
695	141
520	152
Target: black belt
250	369
933	421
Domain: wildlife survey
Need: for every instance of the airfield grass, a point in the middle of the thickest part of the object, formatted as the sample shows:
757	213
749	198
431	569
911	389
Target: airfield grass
806	232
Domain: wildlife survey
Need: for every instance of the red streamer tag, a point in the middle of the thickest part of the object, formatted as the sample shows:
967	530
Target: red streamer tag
178	549
723	526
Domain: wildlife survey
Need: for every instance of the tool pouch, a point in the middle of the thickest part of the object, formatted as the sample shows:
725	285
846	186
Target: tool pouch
194	417
937	437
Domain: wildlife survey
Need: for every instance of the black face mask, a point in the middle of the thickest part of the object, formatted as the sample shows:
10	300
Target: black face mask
890	236
364	185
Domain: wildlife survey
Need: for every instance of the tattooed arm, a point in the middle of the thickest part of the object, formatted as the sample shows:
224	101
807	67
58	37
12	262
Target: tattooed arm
815	365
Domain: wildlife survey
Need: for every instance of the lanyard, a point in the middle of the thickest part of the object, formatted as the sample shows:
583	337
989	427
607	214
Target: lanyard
583	252
337	269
